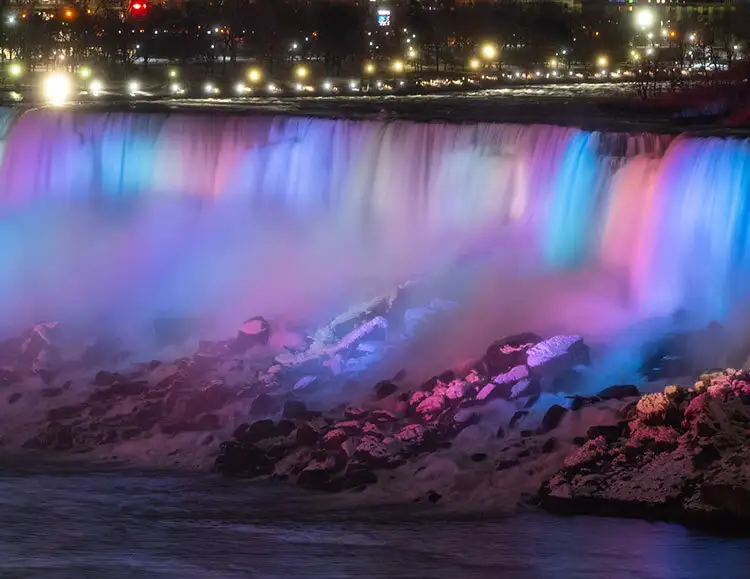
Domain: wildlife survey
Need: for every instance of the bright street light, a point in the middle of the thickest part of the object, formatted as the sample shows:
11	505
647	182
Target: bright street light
96	87
397	66
369	68
411	53
172	73
489	51
255	75
15	69
301	72
474	64
133	87
57	88
85	72
602	61
645	18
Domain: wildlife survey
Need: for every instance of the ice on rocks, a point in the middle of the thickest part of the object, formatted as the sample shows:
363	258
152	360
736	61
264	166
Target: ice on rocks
557	354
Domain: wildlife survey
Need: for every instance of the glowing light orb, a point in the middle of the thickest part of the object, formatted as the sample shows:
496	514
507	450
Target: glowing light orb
255	75
645	18
489	51
133	87
96	87
57	88
15	70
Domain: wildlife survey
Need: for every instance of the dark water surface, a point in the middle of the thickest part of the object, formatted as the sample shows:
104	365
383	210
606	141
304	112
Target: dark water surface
129	525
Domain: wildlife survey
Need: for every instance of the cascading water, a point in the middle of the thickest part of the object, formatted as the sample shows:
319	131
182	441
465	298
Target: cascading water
123	215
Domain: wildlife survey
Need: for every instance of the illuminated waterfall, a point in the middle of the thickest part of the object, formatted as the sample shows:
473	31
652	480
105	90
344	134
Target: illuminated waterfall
178	212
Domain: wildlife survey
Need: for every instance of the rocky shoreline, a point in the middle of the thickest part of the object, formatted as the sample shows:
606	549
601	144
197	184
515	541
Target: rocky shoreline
503	430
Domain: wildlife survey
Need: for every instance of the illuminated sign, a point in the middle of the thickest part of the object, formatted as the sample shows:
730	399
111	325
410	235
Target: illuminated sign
384	17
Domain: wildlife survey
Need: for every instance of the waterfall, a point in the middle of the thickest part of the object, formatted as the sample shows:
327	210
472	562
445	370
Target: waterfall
154	212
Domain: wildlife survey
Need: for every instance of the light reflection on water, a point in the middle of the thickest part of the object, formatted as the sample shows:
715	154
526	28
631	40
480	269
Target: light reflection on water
130	525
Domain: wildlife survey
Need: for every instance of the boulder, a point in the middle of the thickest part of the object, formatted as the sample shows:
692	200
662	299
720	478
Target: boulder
383	389
372	452
254	332
333	439
513	375
353	413
414	437
525	387
553	417
556	355
517	417
509	352
381	416
492	391
284	428
240	460
306	435
458	390
619	392
610	433
653	408
431	407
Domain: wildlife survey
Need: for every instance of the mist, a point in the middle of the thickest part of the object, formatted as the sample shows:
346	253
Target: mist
112	220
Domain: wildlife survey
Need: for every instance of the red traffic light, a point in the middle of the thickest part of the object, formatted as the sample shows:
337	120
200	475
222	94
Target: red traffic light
138	7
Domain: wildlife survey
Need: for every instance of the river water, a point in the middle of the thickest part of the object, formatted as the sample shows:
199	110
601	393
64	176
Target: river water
82	524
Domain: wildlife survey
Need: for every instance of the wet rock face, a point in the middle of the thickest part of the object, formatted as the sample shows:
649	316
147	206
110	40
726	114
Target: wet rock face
670	460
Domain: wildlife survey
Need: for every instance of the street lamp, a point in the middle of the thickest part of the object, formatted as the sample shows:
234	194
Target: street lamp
370	68
645	18
56	88
254	75
474	64
411	53
397	66
602	61
96	87
85	72
301	72
15	69
489	51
